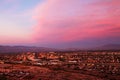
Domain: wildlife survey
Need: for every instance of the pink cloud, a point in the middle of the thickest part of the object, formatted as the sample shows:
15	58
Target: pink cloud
71	20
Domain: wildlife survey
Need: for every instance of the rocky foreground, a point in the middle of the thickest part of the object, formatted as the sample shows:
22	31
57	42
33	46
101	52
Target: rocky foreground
21	72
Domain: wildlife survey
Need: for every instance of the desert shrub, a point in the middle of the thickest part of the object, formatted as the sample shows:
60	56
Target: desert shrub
3	77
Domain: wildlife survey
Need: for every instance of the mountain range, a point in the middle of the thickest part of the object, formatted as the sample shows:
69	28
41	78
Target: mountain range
16	49
108	47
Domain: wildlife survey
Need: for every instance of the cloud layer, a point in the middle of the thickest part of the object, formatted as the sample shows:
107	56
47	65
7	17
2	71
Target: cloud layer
76	20
62	23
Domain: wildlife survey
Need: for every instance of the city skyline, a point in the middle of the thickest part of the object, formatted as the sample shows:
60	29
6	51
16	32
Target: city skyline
59	23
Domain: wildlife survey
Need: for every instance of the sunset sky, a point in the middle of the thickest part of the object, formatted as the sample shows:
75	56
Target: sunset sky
60	23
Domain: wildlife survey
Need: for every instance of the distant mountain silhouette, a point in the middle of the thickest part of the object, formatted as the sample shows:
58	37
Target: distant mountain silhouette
109	47
17	49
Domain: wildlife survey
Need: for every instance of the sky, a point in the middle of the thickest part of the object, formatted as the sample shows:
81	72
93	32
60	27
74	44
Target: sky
60	23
